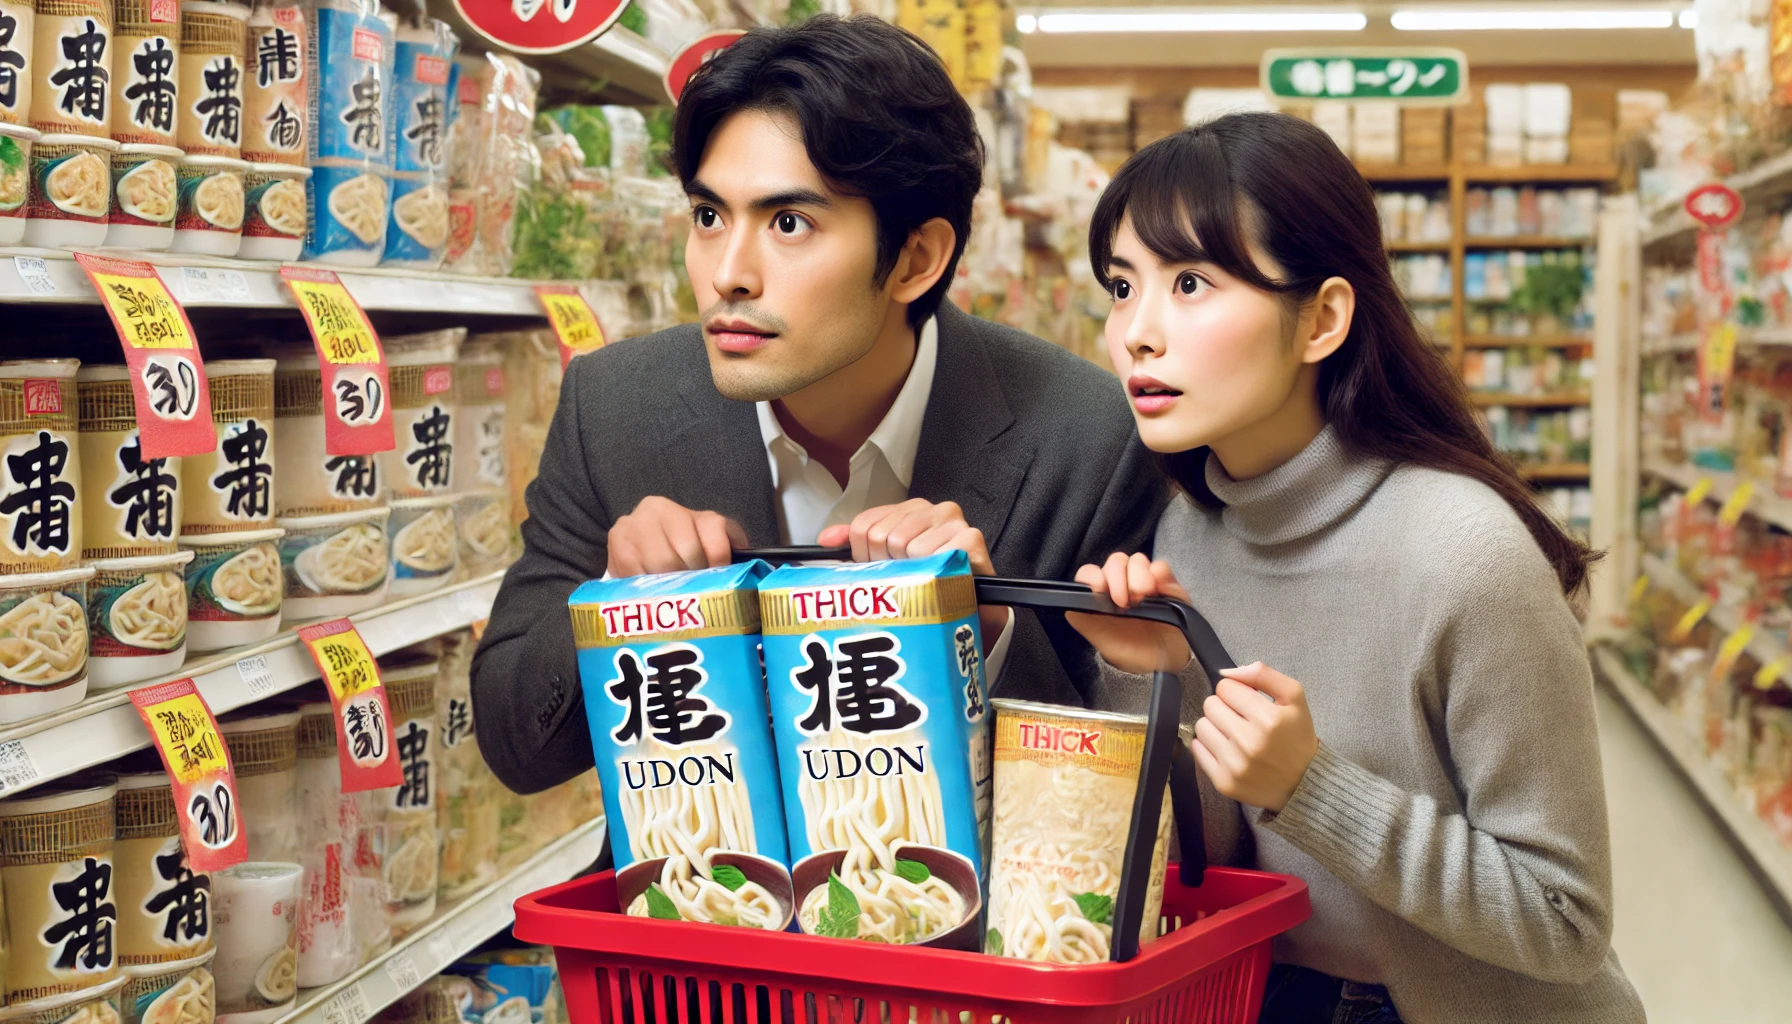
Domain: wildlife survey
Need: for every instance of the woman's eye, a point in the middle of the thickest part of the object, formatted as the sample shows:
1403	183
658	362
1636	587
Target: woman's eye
790	224
1121	290
706	217
1188	284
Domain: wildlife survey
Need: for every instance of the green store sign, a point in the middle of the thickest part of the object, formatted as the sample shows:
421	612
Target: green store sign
1408	75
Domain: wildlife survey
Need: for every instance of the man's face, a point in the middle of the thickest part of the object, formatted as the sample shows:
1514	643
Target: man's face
781	263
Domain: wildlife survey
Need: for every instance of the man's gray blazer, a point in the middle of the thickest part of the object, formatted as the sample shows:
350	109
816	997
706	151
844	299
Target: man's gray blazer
1036	445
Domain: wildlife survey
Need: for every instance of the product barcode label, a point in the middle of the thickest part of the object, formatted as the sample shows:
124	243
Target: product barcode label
204	284
348	1006
403	972
441	951
35	273
258	679
16	768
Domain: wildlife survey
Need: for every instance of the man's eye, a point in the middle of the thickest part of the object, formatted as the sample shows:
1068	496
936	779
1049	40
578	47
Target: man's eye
706	216
1189	284
790	224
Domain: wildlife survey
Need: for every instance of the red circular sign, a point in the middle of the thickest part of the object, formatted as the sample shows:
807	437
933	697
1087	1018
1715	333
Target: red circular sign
540	26
695	56
1715	205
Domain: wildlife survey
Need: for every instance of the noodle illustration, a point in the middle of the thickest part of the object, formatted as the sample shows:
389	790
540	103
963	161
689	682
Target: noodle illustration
43	640
152	614
700	899
351	561
411	871
80	185
487	531
248	583
278	978
190	1001
148	191
427	543
423	215
688	821
283	207
219	199
14	183
97	1012
359	204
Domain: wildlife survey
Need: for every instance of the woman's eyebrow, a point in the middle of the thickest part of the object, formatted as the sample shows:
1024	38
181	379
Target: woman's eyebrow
1121	262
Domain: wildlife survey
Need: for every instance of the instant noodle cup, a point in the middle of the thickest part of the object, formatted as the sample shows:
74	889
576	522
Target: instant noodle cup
183	992
137	611
351	92
411	855
71	67
696	824
132	504
347	206
40	466
235	585
164	909
231	488
146	86
417	235
15	178
91	1006
875	674
1065	782
145	195
482	521
423	409
256	971
15	103
330	828
311	480
56	845
275	105
479	428
210	215
264	752
425	545
43	642
71	191
211	78
466	790
336	564
274	212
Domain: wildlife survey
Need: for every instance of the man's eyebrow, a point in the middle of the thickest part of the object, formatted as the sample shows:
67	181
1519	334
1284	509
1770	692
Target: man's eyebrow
792	197
697	190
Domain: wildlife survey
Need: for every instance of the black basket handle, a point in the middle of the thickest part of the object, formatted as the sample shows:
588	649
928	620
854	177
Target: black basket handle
1166	760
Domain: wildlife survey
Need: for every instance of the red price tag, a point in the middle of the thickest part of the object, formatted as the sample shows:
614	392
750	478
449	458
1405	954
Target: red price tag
573	320
1715	205
357	387
694	56
199	769
174	402
364	728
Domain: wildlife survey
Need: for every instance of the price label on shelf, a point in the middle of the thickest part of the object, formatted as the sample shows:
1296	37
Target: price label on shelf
364	740
1770	673
35	274
1730	650
198	763
573	320
1701	489
357	387
1736	504
1717	366
1694	615
257	678
17	770
348	1006
174	403
403	972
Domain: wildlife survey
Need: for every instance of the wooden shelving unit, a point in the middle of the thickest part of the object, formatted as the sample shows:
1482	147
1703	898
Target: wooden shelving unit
1525	242
1542	401
1503	341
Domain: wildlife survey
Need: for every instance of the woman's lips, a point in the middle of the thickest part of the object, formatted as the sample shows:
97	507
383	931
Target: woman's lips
1151	405
1149	395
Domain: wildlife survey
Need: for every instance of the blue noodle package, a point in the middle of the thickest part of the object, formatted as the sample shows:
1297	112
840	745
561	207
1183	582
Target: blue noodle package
423	66
682	740
347	213
880	709
349	88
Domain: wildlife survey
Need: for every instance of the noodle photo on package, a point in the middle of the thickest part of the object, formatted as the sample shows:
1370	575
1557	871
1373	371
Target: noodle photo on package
486	531
351	561
423	215
152	614
80	185
148	191
15	175
248	583
219	199
282	206
359	205
427	543
43	640
191	1000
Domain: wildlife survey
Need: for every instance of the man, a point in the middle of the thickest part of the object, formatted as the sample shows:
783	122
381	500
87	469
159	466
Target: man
829	394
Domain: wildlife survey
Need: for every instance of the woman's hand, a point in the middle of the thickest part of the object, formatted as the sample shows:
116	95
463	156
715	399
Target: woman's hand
1132	645
1255	751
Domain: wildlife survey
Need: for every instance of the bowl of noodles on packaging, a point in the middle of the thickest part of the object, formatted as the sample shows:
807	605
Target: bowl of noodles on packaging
739	889
43	642
179	992
97	1005
15	179
335	564
906	895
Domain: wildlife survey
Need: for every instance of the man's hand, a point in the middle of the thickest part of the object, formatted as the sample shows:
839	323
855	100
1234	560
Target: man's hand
915	529
661	535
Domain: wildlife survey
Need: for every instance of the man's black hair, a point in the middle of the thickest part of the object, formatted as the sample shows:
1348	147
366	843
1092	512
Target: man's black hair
880	120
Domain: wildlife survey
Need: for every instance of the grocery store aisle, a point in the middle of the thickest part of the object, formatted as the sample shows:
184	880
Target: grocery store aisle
1695	932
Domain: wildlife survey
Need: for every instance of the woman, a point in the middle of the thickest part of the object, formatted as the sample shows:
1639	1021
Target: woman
1434	774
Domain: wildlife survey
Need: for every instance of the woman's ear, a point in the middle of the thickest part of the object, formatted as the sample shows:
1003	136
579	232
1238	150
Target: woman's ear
1332	310
923	260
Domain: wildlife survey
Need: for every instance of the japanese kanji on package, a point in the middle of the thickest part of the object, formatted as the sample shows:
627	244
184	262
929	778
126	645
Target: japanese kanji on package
875	672
670	667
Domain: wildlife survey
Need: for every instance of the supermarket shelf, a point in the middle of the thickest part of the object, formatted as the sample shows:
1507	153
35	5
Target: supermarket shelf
1540	172
1769	177
1401	245
1770	859
1746	337
52	276
1764	646
1487	398
1556	474
1526	242
1405	172
1500	341
454	932
1763	503
106	726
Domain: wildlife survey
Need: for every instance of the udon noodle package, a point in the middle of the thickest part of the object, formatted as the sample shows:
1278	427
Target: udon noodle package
423	409
425	548
40	466
274	100
876	678
418	233
43	642
133	504
336	564
57	847
145	73
181	992
163	907
348	81
491	153
311	481
71	67
466	790
329	824
481	473
231	488
257	967
1065	781
409	815
670	670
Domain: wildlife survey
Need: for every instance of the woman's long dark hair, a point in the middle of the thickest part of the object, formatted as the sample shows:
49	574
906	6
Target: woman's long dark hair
1386	391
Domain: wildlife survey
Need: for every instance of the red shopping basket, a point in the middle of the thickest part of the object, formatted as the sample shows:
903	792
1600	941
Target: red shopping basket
1209	967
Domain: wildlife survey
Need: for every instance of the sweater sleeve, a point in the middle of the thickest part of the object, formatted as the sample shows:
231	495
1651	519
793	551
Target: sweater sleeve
1517	872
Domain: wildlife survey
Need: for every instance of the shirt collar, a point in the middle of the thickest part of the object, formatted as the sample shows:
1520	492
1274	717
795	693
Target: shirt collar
898	436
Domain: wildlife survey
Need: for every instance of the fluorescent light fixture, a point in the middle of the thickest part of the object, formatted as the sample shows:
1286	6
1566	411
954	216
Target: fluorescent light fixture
1026	24
1205	20
1430	20
1689	18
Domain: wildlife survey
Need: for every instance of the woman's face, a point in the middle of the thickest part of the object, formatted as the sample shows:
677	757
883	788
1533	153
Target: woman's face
1204	356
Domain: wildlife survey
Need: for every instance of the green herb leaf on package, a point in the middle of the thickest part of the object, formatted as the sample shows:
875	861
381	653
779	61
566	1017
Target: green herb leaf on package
728	877
840	918
1095	907
660	905
913	871
992	943
12	158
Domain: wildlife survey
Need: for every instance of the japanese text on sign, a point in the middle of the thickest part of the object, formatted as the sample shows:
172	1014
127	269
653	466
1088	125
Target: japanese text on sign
573	320
365	742
351	363
184	732
1405	75
193	751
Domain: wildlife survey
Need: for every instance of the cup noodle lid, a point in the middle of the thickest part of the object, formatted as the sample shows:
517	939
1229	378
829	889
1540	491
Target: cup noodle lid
281	171
18	131
77	790
14	369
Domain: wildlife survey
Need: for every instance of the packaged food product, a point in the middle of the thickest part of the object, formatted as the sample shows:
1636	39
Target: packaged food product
235	584
274	212
40	466
211	78
311	481
257	967
15	179
347	206
335	564
183	992
209	217
492	989
137	614
348	86
144	196
466	789
164	909
409	816
436	1001
670	670
875	672
418	233
133	505
329	824
72	44
421	368
89	1006
43	642
490	157
15	102
275	105
230	489
71	191
57	871
145	72
425	545
481	472
264	751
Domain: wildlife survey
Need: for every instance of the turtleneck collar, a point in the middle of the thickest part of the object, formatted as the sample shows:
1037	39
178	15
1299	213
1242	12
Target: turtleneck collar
1316	489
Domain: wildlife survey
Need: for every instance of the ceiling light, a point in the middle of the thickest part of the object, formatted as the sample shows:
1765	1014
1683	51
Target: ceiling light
1026	24
1689	18
1142	21
1428	20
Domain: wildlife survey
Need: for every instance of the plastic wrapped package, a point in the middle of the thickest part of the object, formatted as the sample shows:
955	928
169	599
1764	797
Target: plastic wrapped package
491	155
467	792
264	751
408	811
418	233
532	377
348	92
562	217
329	821
481	474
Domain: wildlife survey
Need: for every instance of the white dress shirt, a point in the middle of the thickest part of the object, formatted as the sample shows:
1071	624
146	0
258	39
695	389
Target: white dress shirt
809	499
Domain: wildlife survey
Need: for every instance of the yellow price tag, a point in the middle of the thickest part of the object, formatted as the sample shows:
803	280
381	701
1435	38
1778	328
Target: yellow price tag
1737	503
1638	589
1730	650
572	318
1720	351
1770	673
189	741
344	335
1693	617
1699	491
343	658
146	314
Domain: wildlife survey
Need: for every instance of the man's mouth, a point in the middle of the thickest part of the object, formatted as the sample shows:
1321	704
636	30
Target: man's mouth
738	336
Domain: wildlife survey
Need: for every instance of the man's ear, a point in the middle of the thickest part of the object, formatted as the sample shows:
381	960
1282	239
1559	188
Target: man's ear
923	260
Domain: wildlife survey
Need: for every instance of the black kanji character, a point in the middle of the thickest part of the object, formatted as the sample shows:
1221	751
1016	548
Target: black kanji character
222	106
665	701
426	133
363	118
85	79
356	475
176	388
277	57
43	499
964	645
249	481
460	722
187	902
817	677
413	759
11	61
431	457
86	932
283	127
148	496
154	89
366	730
858	676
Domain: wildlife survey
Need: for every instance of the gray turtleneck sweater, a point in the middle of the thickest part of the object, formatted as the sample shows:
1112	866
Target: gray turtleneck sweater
1452	828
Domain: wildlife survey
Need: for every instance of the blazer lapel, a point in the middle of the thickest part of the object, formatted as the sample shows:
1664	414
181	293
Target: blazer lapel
714	451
